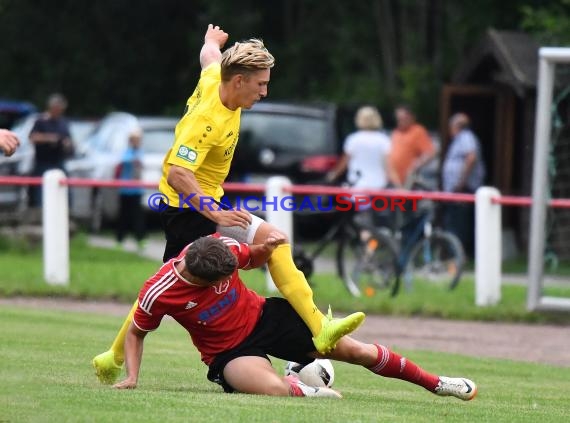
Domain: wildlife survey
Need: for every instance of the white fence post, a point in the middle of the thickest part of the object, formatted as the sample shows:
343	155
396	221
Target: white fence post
55	217
488	247
276	214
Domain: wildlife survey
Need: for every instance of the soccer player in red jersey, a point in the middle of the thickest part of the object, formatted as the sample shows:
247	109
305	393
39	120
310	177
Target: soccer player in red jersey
235	329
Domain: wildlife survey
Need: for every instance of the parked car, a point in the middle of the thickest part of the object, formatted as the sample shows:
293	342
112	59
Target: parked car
80	128
22	162
11	111
103	151
300	141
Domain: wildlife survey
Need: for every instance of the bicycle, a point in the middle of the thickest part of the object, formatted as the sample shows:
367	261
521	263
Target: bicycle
366	259
425	252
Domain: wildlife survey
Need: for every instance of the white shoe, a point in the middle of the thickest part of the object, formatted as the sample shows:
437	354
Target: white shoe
458	387
314	391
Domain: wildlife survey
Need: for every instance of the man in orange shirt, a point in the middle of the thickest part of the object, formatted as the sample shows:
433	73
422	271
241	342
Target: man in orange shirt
411	148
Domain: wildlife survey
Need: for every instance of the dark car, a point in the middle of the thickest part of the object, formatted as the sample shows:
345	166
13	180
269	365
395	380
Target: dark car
300	141
11	111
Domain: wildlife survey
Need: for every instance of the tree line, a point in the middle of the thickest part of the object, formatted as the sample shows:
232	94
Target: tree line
142	56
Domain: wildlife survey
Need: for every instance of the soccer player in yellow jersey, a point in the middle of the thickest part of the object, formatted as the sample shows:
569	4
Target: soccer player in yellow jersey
197	165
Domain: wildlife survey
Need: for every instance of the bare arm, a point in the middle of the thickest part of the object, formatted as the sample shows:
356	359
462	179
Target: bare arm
214	40
393	176
184	182
8	142
133	356
44	137
467	168
423	160
427	150
339	169
260	253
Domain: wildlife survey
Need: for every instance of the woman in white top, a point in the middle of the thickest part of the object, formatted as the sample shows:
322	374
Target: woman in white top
365	155
365	152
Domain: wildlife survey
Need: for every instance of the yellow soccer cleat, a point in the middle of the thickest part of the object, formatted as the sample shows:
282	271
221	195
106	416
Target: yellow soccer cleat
334	329
106	368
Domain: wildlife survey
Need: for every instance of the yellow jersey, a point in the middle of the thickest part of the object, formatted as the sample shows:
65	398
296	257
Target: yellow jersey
205	138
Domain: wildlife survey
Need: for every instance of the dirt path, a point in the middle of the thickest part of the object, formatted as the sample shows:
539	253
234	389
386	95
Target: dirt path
523	342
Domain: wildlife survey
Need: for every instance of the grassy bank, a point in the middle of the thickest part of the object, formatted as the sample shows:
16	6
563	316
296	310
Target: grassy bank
114	274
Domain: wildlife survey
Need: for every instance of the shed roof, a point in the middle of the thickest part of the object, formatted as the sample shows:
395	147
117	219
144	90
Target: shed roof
506	57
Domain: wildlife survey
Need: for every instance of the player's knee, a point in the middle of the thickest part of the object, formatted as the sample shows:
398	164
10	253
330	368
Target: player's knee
270	228
265	229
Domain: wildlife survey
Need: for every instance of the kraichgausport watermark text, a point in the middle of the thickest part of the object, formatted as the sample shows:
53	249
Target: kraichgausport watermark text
318	203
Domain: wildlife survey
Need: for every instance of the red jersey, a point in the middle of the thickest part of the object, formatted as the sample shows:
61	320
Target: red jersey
217	317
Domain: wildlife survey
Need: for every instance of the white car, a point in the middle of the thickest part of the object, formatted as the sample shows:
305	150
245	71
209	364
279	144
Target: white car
103	152
22	162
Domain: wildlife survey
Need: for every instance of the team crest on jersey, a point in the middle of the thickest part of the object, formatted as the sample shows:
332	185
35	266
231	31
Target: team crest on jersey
222	287
187	154
191	304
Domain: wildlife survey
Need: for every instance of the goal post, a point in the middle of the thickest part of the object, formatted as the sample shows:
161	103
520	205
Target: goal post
548	58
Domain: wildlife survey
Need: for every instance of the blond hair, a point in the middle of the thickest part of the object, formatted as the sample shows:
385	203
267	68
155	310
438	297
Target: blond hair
245	57
368	118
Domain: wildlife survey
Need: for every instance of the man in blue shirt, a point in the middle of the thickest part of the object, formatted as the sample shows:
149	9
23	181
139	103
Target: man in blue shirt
130	209
463	171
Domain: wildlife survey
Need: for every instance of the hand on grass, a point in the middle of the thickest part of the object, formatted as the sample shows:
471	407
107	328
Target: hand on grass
126	384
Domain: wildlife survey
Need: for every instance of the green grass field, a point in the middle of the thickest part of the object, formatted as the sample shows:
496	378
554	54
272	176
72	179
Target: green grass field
112	274
47	377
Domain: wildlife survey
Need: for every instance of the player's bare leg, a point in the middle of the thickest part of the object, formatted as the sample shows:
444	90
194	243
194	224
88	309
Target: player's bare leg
381	361
255	375
292	284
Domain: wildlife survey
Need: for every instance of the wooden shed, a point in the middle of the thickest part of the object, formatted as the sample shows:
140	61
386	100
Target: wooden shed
496	86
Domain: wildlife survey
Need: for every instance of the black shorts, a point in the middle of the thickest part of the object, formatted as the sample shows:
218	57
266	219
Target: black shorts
280	333
181	227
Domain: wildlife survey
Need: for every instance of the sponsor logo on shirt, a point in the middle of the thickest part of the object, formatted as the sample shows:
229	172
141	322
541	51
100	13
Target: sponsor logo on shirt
191	304
187	154
222	287
219	308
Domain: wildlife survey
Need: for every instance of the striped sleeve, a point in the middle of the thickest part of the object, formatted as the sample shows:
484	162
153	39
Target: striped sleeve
149	312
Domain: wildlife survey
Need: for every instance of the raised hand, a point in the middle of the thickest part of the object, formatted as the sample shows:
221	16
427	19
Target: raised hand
215	35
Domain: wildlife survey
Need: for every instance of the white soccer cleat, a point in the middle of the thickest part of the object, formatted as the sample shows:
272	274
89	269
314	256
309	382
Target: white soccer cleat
458	387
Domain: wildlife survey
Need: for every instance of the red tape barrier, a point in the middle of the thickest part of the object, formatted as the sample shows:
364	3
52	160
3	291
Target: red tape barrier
506	200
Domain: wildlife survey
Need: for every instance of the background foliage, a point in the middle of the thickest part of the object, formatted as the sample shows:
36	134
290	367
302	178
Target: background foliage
143	56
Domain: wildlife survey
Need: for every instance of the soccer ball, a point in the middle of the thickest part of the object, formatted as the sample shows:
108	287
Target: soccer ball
318	373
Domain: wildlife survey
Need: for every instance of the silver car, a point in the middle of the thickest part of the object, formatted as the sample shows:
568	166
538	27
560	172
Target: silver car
22	162
103	152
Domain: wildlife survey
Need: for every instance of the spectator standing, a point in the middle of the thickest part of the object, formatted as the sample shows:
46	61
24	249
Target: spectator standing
52	140
463	171
365	155
131	214
365	152
410	150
